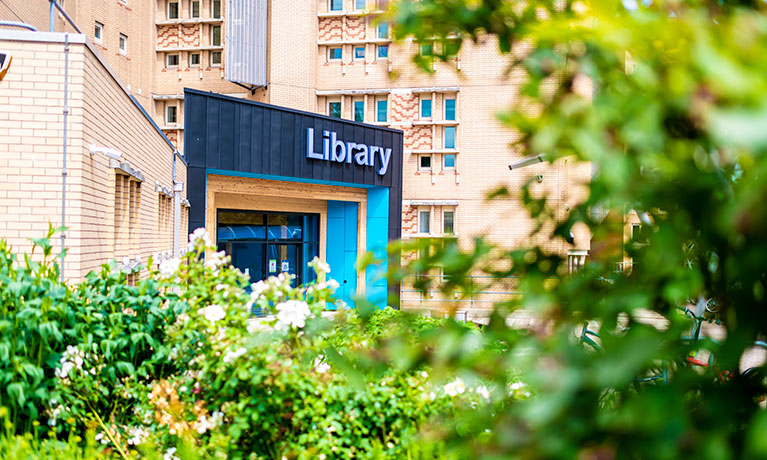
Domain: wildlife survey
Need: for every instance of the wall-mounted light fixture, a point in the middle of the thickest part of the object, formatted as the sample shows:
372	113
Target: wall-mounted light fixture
527	161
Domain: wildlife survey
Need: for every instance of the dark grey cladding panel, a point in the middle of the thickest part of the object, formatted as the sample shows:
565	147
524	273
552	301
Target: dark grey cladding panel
250	137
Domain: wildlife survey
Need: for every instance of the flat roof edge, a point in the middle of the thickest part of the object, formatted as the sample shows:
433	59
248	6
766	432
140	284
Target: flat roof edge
287	109
45	37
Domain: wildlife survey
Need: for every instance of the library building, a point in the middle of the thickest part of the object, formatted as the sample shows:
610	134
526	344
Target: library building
277	187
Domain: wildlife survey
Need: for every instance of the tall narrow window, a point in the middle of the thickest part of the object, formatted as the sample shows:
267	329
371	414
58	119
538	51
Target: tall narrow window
336	5
423	221
448	226
381	110
215	35
449	137
215	8
334	109
123	44
425	108
195	11
383	30
359	110
194	60
172	10
449	109
171	114
98	32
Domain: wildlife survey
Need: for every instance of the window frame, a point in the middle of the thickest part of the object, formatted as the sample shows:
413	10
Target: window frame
213	28
330	54
421	48
168	109
221	59
444	161
98	38
421	159
354	107
199	60
452	222
213	4
421	109
385	26
444	137
354	53
427	220
191	9
168	10
122	44
455	109
378	52
333	2
385	103
168	65
330	109
357	5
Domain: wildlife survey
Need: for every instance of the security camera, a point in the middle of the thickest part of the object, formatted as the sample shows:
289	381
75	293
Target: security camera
107	152
5	63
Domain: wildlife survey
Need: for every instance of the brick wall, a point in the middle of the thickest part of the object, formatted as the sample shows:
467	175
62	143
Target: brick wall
101	113
356	28
404	106
409	219
331	29
167	36
190	35
418	138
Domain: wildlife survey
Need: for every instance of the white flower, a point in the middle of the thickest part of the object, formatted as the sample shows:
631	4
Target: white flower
213	313
455	388
216	260
256	289
432	396
170	454
137	436
199	235
333	285
232	355
484	392
292	313
424	374
319	265
517	386
320	365
169	267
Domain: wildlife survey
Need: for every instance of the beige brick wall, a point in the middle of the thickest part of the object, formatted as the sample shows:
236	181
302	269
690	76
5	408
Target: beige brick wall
100	113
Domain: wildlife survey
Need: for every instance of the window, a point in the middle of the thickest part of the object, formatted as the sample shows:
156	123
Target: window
448	226
171	60
449	162
195	10
215	8
427	49
334	109
424	162
381	110
425	108
449	137
359	52
98	32
449	109
359	4
215	35
127	200
336	5
215	58
383	30
123	44
359	110
451	48
423	221
171	114
194	60
335	54
383	51
172	10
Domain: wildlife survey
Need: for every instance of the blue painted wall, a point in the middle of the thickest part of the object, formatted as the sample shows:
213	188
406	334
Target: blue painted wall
377	239
341	249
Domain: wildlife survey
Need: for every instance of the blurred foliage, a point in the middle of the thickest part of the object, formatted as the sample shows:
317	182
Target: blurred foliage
668	102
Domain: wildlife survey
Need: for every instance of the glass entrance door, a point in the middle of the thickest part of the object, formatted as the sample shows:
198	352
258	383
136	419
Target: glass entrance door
264	244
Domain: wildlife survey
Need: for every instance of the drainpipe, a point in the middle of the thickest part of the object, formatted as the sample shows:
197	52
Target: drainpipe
177	188
51	23
64	149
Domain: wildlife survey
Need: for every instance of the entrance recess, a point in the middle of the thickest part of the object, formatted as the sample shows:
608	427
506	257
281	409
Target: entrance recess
264	244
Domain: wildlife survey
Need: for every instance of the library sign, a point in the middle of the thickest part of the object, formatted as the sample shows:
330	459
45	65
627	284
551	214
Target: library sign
339	151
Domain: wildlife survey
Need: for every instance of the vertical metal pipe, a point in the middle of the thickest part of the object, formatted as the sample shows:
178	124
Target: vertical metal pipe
64	150
51	25
176	211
